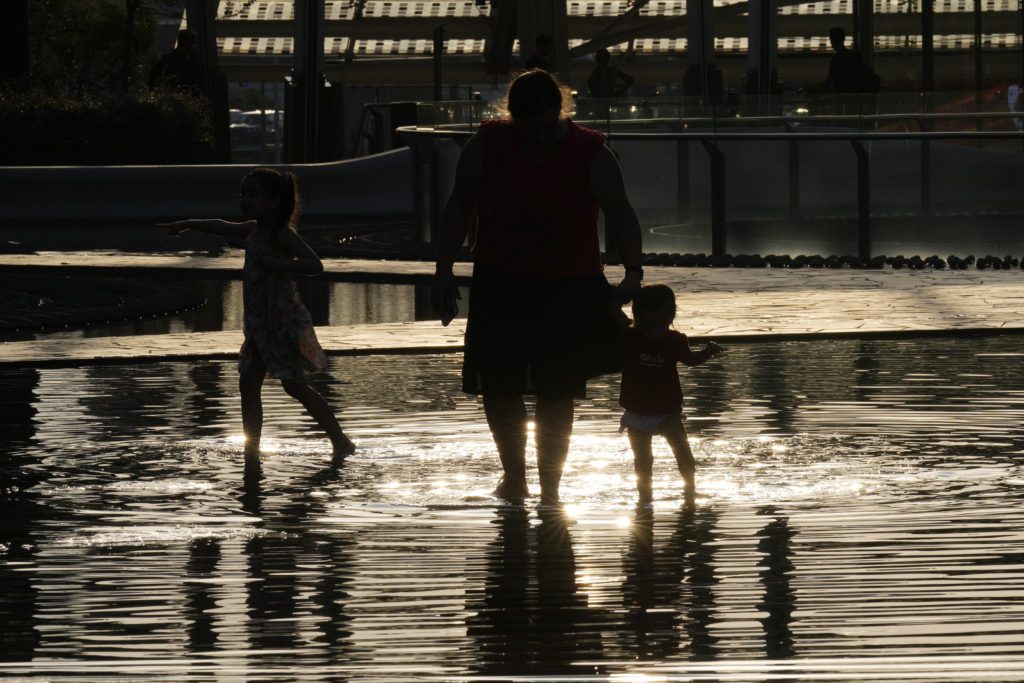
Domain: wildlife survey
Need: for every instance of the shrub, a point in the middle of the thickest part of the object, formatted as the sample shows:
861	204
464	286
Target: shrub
157	128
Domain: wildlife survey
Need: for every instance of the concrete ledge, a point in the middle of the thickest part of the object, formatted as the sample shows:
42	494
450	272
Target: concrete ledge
227	266
354	340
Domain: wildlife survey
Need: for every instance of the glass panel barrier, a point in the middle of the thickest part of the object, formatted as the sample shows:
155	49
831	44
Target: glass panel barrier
912	170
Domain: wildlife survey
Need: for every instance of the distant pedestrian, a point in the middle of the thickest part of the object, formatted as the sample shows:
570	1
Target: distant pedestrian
650	393
178	69
606	80
279	337
847	73
541	57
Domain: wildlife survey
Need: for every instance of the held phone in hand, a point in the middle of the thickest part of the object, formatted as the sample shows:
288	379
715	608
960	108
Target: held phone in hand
449	307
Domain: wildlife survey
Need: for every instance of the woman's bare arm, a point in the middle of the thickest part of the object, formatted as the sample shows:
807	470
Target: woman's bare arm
211	226
609	191
455	218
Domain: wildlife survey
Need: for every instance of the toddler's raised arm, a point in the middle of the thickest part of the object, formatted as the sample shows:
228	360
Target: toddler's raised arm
691	358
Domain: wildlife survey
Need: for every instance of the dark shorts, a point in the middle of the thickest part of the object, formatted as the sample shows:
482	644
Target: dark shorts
537	336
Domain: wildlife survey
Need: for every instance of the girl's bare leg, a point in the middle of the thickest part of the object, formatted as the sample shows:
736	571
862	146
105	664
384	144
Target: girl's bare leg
643	463
553	419
506	418
250	385
675	434
319	410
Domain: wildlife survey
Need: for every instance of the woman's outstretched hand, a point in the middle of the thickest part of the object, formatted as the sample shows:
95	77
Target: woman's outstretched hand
174	227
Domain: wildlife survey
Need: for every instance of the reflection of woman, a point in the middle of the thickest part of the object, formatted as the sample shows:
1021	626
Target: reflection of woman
534	618
539	316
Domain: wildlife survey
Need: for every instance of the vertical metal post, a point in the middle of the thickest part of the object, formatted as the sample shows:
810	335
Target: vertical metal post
927	46
762	36
682	175
425	190
438	55
978	67
717	159
863	200
794	173
926	170
864	30
307	76
202	16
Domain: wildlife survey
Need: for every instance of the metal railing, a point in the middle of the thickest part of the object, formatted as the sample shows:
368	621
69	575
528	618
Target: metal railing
429	186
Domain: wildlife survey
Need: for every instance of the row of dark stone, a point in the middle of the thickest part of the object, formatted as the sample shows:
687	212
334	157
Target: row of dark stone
39	303
785	261
397	244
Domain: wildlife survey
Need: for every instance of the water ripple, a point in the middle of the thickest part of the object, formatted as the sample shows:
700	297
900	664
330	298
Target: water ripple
858	518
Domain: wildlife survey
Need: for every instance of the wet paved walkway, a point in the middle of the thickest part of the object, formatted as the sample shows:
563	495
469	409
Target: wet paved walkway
727	304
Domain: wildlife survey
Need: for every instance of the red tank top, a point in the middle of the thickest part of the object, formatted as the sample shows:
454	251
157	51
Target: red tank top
538	219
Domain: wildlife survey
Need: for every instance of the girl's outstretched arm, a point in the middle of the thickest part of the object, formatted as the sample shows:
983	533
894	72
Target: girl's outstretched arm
301	258
211	226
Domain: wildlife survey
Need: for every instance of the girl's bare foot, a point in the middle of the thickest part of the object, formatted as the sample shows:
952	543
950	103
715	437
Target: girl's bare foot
343	447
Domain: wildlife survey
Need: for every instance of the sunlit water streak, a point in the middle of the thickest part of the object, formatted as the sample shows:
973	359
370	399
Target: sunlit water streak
858	518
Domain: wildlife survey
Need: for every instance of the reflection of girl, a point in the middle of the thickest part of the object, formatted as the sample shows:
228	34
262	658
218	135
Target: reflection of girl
539	317
650	392
279	337
1015	102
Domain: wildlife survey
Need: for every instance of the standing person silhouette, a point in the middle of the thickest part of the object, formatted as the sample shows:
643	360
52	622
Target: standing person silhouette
179	68
539	318
650	391
845	68
279	339
606	80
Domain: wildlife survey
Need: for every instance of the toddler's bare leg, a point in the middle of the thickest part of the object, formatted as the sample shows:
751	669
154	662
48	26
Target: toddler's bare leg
506	418
319	410
250	385
643	463
675	434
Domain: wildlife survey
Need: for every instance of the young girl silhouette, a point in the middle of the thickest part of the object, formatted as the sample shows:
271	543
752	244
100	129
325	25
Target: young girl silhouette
279	337
650	391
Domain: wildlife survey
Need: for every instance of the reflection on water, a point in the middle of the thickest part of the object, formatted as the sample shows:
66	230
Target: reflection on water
858	518
329	303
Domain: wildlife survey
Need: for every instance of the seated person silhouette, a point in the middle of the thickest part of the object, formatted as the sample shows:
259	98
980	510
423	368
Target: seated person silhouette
179	68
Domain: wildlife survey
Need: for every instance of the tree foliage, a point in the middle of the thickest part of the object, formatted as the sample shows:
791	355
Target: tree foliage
78	47
86	100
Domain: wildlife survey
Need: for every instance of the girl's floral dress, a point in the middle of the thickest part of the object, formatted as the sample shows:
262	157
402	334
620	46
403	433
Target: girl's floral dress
276	323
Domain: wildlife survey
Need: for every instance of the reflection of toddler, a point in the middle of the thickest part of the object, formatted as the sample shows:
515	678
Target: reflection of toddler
650	392
1013	103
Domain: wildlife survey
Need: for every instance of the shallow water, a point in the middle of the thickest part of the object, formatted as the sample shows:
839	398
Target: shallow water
859	517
